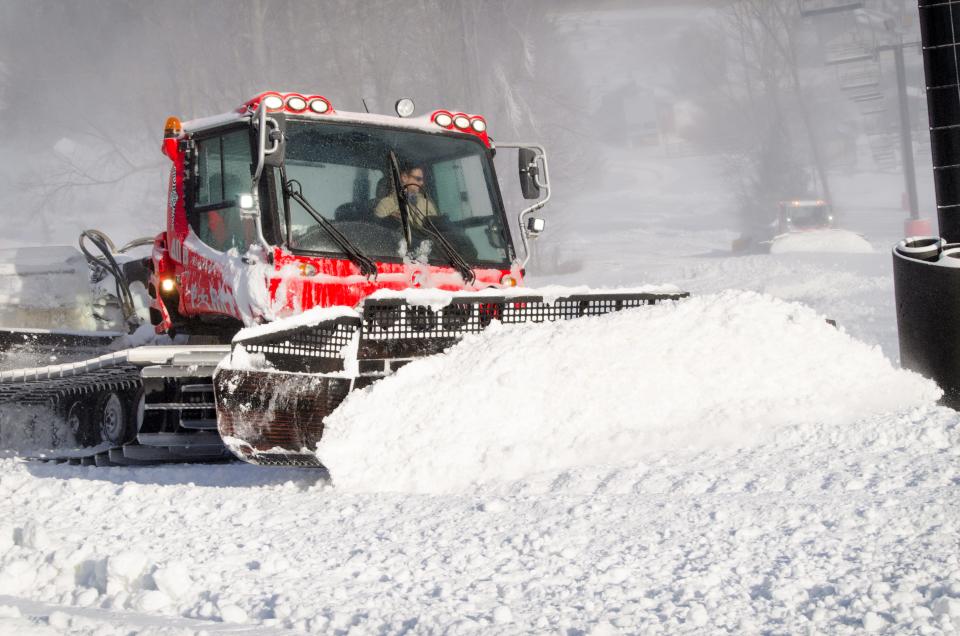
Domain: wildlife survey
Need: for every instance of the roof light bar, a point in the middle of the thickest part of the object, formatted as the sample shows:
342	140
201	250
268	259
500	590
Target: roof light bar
461	122
289	102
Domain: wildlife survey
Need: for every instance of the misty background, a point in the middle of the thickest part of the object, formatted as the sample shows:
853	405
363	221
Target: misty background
745	102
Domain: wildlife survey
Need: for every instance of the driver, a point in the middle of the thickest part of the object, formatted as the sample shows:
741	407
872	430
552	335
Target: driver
412	180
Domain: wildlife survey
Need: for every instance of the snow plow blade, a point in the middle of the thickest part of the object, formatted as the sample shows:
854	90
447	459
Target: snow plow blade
277	387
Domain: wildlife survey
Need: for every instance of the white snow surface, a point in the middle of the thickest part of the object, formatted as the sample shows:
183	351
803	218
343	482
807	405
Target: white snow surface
833	240
724	369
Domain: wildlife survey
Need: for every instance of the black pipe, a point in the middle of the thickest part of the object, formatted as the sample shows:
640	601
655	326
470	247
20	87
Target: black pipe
906	136
928	307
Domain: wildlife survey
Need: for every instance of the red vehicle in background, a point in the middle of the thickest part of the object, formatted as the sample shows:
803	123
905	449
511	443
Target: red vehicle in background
798	215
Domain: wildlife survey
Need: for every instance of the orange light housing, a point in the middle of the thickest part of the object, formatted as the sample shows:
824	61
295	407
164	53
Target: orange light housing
172	128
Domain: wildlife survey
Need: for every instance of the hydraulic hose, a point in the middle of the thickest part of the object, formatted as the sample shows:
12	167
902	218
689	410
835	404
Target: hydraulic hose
105	261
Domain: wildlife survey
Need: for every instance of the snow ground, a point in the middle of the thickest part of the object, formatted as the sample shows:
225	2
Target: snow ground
754	470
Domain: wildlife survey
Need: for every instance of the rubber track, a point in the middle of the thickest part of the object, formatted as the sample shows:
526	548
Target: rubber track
56	390
51	391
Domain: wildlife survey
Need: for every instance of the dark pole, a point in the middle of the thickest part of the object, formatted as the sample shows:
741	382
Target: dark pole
906	139
940	52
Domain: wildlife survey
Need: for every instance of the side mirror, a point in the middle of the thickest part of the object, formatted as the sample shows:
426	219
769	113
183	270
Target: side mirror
274	141
529	173
270	140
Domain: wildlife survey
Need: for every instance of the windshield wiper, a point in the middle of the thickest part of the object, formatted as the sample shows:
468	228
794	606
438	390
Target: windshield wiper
401	199
368	268
458	262
405	206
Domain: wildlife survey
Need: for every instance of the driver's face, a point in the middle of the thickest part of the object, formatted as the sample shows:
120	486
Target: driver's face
413	177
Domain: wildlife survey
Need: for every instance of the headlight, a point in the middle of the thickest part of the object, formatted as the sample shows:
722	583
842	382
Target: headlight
273	102
168	285
461	122
443	119
404	107
245	201
319	106
296	103
478	125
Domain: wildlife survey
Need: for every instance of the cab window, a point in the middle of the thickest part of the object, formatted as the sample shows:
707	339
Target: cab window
223	172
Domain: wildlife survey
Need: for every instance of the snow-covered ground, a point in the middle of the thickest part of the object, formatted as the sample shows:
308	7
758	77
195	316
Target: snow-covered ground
730	463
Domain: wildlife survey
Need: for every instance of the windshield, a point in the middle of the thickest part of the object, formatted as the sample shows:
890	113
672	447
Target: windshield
344	172
808	215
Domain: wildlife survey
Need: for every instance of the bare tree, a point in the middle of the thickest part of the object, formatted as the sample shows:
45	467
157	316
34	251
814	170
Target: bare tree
105	74
745	70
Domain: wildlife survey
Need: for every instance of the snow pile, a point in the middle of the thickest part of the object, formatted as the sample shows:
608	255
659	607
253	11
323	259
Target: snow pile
724	369
836	241
45	288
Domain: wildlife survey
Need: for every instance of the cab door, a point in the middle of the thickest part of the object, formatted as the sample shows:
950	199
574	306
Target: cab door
219	233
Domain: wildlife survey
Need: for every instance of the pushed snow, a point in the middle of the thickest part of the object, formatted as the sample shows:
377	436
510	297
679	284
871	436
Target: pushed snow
835	241
722	369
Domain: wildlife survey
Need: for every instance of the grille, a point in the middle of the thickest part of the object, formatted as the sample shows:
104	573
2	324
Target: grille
391	328
313	349
268	411
386	319
395	329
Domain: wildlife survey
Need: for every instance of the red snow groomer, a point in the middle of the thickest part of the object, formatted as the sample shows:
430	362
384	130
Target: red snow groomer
329	248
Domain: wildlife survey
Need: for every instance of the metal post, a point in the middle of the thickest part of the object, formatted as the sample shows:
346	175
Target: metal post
906	139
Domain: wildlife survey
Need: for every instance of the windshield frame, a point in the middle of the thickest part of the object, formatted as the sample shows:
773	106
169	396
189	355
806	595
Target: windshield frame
439	259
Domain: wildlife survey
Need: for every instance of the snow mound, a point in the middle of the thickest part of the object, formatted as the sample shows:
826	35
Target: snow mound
519	400
836	241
